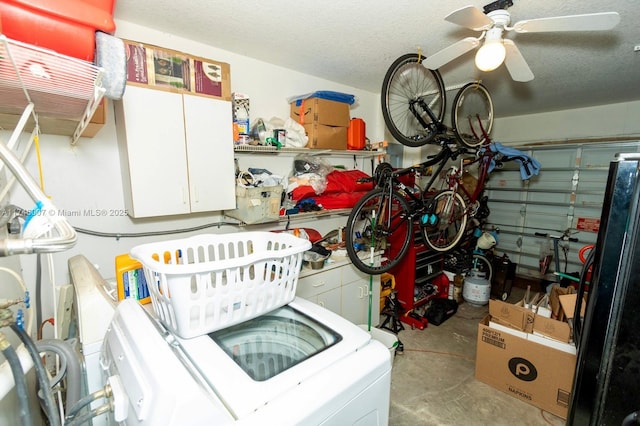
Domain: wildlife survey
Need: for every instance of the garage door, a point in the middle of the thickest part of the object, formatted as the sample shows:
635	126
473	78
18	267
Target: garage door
566	195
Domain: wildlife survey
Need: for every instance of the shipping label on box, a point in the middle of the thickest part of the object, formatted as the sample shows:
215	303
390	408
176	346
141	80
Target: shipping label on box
164	69
529	371
320	111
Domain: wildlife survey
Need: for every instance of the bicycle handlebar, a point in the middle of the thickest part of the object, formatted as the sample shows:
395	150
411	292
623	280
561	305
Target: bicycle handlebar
523	160
563	237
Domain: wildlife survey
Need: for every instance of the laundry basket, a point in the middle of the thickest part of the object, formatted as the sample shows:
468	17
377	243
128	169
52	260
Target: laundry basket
208	282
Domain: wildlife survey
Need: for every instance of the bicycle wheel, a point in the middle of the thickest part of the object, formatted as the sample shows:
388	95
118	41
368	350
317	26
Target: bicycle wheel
382	224
472	115
483	265
408	87
448	229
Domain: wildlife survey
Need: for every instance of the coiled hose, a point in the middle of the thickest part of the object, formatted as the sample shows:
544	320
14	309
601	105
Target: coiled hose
20	381
43	380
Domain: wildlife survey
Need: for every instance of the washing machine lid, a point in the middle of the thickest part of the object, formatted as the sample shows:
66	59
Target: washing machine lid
253	363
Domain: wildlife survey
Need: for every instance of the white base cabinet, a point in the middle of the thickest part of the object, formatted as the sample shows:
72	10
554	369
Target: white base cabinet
342	289
176	153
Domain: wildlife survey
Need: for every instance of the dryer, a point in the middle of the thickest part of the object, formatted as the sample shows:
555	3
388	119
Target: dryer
299	364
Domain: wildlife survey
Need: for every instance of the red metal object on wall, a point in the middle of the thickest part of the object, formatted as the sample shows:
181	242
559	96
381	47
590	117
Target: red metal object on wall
65	26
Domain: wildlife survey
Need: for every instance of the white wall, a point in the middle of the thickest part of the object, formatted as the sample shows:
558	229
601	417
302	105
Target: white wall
605	121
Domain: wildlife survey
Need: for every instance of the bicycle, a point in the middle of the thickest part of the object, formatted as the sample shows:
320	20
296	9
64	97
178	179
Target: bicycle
546	259
382	220
414	101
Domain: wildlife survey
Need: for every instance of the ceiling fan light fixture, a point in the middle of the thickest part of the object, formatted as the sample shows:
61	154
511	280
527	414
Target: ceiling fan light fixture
490	55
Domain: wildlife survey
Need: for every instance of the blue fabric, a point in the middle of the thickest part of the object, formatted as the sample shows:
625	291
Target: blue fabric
325	94
529	166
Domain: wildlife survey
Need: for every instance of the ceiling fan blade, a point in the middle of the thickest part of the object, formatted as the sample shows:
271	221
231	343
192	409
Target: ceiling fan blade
450	53
588	22
515	63
470	17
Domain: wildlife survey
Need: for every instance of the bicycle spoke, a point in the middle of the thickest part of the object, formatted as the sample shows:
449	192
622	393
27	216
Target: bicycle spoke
472	115
378	222
408	88
451	222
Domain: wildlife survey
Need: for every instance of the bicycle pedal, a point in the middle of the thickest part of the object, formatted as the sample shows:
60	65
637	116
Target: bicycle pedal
429	219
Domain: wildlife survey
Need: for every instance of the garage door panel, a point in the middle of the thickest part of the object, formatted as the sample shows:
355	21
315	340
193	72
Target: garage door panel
567	194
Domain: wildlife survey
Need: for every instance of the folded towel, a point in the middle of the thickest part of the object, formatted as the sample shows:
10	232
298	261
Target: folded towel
529	166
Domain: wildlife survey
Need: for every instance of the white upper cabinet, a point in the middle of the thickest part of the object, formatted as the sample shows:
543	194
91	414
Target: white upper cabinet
176	153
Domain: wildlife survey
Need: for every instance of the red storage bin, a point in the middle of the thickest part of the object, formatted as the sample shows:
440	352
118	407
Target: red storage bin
65	26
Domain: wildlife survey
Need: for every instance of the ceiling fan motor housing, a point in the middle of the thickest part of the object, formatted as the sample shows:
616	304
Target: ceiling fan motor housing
499	4
501	18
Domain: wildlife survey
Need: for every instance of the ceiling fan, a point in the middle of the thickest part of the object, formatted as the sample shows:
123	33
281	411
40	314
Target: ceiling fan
494	22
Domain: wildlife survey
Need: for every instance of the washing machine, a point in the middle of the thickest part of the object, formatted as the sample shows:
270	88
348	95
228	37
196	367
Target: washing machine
299	364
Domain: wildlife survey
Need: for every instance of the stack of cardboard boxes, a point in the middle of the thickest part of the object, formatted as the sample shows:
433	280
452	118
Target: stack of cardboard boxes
528	355
325	122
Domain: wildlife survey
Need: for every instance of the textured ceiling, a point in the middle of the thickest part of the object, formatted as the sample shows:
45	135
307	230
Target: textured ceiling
354	42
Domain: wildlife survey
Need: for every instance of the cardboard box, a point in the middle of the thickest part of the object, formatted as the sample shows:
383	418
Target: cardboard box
514	316
527	370
257	205
97	121
321	111
164	69
551	328
524	320
554	301
57	126
326	137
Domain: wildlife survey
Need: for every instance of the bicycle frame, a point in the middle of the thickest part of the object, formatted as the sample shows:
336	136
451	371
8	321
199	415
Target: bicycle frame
454	183
416	203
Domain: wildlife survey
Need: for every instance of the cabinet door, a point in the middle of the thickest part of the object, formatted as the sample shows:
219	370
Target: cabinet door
355	302
330	300
317	282
355	296
209	142
150	128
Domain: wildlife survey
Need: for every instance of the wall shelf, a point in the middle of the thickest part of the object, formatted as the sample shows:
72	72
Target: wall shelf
262	149
58	87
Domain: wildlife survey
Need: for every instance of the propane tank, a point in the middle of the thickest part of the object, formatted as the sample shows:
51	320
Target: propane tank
477	288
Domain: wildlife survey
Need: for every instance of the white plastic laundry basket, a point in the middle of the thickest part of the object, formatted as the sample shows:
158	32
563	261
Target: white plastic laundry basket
208	282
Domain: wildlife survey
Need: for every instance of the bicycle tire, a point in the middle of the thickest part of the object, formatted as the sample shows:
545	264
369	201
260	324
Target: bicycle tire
364	231
406	82
472	115
482	264
448	229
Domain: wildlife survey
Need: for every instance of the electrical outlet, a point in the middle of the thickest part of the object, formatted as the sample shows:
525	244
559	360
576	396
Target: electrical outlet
636	48
65	304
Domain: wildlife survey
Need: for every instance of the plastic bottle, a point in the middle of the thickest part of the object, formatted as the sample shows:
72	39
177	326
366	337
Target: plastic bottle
458	285
130	279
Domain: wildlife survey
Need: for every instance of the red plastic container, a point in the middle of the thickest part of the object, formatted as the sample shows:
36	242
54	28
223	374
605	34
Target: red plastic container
356	134
65	26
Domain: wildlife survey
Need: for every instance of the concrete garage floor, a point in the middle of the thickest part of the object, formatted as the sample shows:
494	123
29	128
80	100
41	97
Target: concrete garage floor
432	382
